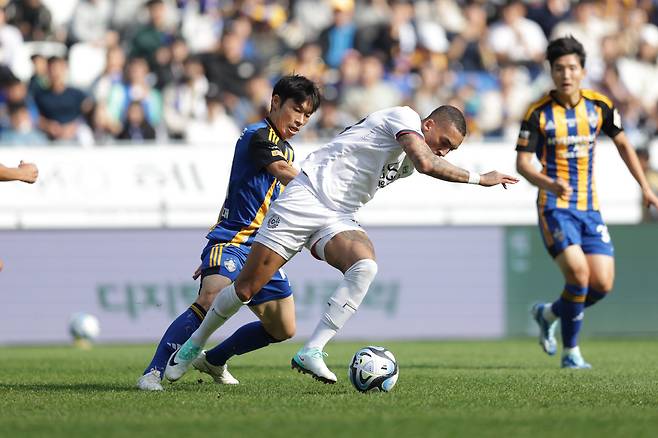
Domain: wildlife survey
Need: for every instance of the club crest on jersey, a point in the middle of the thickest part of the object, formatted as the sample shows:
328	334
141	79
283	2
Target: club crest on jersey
273	222
230	265
558	235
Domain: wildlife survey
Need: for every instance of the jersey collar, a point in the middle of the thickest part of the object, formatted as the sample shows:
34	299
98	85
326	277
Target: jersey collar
276	131
553	94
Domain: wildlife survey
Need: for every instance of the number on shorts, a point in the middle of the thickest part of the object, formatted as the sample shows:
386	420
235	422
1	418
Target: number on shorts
603	231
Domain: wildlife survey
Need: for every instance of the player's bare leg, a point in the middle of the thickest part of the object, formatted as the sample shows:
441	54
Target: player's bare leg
277	323
353	254
179	330
601	277
262	263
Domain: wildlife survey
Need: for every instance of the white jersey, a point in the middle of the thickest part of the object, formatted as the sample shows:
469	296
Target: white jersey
347	171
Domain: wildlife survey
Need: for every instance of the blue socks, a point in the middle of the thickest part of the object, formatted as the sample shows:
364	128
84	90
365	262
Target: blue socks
570	308
178	332
247	338
594	296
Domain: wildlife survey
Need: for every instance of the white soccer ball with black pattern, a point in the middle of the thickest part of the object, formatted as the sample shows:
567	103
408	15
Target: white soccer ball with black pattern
84	326
373	369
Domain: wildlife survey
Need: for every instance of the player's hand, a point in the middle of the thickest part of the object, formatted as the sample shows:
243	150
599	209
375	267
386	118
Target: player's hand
562	189
29	171
197	273
494	178
649	198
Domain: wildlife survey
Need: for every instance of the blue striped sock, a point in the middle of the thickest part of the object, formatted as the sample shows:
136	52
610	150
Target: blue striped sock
247	338
177	333
571	307
594	296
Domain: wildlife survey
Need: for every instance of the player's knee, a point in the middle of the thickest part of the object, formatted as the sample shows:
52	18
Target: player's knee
282	333
578	275
364	269
206	298
244	290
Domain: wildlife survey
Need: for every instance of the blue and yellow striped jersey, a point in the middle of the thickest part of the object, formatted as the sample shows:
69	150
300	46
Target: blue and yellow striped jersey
251	187
563	139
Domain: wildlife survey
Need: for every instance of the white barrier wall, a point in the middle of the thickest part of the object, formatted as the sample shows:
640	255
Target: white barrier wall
179	186
433	282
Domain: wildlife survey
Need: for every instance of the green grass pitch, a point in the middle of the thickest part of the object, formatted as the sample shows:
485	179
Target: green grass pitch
452	389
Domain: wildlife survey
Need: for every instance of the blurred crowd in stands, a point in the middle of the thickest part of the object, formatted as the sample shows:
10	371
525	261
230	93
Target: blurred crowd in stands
93	72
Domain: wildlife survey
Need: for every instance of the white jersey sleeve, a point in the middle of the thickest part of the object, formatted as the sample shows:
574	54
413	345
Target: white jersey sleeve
347	171
402	120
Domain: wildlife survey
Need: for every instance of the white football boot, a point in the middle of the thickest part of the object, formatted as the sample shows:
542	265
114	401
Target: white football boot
219	373
311	361
181	360
151	381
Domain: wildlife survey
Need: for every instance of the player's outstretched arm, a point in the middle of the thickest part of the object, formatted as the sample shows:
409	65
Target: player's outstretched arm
525	167
425	161
628	154
26	172
282	171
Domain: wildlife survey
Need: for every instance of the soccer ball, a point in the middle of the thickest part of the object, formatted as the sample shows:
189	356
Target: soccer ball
84	326
373	369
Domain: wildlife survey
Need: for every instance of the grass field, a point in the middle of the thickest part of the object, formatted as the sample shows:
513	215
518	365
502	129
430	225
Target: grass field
471	389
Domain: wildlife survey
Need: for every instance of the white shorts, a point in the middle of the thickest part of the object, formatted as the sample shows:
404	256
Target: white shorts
298	218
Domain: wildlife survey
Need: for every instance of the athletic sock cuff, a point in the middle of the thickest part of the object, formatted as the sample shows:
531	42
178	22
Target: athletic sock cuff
198	310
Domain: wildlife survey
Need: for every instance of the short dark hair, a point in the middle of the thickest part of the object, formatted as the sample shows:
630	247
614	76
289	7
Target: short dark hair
451	115
565	46
299	89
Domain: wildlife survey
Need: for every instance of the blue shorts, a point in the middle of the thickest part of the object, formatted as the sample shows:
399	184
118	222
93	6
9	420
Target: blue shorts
562	227
227	260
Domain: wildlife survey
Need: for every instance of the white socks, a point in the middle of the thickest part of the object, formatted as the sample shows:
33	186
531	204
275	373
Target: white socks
575	350
224	306
548	314
344	302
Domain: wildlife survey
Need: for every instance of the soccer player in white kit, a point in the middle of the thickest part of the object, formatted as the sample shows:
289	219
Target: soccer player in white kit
318	208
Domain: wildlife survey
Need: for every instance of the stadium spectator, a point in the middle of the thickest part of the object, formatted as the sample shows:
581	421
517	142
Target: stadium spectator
39	79
372	93
307	61
16	94
215	127
169	63
11	40
403	34
470	50
515	39
547	14
136	128
136	87
639	73
62	107
329	122
106	90
339	37
589	27
152	35
21	131
185	100
90	22
32	18
226	69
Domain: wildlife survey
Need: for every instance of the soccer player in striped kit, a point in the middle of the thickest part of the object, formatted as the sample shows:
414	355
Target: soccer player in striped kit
561	130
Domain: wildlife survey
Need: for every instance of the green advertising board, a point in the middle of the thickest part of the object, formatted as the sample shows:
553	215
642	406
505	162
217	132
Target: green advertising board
632	307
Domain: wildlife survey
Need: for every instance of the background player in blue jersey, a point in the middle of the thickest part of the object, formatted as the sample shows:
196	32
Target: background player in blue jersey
561	129
262	163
